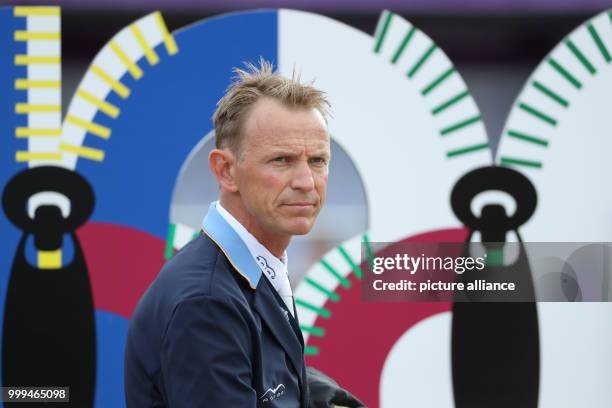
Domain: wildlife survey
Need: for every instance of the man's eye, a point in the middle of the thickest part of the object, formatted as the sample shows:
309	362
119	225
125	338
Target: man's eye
318	160
281	159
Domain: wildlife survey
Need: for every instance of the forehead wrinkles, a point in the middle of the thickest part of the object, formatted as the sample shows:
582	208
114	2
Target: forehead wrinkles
307	146
308	141
270	125
290	127
297	139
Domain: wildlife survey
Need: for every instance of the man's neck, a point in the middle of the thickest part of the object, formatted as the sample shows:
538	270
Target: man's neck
273	242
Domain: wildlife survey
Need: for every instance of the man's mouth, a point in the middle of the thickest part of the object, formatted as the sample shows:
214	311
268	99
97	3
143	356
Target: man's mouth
300	205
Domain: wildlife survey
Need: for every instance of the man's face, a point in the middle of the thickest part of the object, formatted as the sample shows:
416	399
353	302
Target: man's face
281	172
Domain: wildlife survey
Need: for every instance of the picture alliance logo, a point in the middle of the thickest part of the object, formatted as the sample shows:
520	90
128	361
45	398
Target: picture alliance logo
273	393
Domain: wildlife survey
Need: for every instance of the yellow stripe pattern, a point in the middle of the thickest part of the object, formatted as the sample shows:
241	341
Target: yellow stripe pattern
135	71
22	156
91	127
36	11
46	259
29	60
50	259
27	84
86	152
37	132
168	38
122	90
148	51
31	35
29	108
108	108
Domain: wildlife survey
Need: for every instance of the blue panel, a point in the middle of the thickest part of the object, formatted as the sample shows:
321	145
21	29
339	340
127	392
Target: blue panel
111	335
168	112
9	235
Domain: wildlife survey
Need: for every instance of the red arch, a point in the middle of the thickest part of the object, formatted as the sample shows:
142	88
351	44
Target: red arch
359	335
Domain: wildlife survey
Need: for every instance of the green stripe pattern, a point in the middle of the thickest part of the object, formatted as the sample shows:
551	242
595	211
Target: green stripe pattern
311	350
552	95
366	243
321	311
460	125
466	150
527	138
356	269
536	113
383	31
343	281
564	73
417	66
600	45
403	45
520	162
334	297
315	331
450	102
169	251
580	56
436	82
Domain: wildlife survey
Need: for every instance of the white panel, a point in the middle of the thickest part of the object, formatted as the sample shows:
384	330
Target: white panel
575	355
381	120
44	72
417	371
50	24
574	204
44	48
45	96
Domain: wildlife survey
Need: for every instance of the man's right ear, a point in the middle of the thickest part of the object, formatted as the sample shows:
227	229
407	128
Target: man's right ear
221	163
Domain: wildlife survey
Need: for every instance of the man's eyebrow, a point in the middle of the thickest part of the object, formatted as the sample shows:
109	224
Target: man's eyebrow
281	152
271	155
321	153
284	151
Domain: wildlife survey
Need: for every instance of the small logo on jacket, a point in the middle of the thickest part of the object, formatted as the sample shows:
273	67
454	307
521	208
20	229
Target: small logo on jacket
273	393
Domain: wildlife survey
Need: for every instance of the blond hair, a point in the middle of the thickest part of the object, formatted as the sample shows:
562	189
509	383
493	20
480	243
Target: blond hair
248	87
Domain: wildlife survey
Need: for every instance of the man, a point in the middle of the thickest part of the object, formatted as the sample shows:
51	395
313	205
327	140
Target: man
218	327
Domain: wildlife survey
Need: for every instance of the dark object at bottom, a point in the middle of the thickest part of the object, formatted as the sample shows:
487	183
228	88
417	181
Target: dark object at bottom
495	355
326	393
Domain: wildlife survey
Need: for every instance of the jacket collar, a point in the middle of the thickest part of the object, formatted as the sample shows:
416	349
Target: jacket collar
268	307
274	268
230	243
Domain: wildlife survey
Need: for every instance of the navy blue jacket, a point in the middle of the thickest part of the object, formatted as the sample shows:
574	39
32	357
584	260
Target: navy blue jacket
211	331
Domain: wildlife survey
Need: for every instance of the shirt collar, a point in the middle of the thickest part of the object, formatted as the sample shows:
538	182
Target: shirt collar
274	268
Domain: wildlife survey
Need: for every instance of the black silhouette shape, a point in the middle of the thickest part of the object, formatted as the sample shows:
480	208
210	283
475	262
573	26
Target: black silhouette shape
495	345
49	328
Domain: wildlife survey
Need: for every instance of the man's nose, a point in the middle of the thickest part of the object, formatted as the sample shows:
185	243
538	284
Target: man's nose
303	178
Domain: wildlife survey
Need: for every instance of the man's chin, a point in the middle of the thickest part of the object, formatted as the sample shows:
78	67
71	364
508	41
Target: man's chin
300	228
